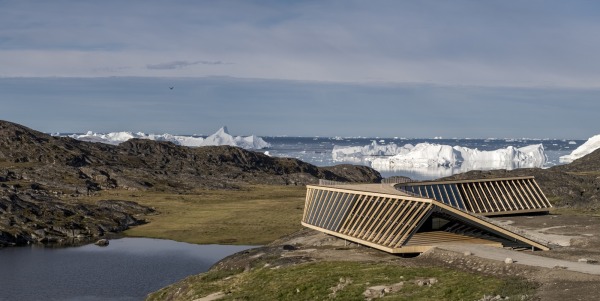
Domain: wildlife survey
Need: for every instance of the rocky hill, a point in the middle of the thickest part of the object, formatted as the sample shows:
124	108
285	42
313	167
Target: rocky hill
37	170
69	164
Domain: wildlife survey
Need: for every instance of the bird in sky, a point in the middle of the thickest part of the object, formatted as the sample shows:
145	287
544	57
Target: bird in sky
171	88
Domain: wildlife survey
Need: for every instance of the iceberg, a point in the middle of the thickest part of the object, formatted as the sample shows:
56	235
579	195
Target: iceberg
429	155
507	158
421	155
179	140
588	147
251	142
110	138
359	153
221	137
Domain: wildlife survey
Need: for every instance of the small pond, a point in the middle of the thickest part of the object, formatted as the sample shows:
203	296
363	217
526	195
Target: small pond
127	269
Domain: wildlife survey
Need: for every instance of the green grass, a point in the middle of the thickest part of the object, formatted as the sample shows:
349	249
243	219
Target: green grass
254	215
313	281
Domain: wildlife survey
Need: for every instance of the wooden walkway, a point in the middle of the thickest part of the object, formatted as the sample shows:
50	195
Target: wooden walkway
524	258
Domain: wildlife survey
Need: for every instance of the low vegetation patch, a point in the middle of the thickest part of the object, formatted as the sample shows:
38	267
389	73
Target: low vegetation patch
254	215
345	281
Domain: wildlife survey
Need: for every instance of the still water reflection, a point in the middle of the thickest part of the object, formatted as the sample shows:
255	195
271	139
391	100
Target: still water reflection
127	269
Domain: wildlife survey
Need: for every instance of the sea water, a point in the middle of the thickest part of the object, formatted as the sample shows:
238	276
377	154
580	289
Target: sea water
126	269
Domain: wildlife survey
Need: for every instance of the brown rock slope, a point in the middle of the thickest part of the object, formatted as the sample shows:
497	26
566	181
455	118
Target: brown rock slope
37	170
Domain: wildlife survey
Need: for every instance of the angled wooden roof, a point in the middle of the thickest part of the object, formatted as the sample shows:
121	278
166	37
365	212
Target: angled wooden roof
379	216
485	196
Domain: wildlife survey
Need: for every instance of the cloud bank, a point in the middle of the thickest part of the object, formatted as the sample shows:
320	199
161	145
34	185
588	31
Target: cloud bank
481	43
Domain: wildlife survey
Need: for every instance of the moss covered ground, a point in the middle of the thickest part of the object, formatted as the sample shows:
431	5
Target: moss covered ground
349	280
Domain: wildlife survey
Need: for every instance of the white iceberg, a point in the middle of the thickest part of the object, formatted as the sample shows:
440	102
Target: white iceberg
428	155
179	140
359	153
506	158
421	155
588	147
251	142
221	137
110	138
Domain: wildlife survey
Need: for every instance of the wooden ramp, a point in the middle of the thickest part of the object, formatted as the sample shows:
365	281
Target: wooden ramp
395	222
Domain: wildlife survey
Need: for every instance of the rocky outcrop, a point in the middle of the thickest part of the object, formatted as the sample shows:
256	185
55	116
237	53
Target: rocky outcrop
35	218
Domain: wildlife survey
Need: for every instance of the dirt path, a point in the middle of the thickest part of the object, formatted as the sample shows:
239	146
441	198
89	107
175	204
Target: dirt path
524	258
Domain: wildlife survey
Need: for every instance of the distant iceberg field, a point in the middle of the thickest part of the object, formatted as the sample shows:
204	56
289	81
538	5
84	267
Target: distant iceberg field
417	158
423	155
221	137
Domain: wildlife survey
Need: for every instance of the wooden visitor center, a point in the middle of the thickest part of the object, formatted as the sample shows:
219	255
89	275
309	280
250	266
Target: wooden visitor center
414	217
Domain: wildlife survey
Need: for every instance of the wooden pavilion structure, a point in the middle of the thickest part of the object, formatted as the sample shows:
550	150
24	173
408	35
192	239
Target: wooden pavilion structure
396	218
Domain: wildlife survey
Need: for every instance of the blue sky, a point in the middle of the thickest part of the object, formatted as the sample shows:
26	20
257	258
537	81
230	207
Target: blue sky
369	68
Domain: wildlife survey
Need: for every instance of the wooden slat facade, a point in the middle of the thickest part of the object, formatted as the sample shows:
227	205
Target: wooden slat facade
389	221
385	220
486	197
